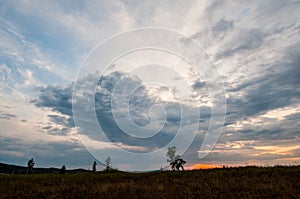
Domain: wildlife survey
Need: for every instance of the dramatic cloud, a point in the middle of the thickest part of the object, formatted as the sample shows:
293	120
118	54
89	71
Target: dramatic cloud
140	102
254	45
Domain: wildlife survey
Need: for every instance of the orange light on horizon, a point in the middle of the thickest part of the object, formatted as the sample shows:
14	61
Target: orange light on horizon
202	166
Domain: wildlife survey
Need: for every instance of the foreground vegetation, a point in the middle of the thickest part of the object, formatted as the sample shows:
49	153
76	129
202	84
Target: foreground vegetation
246	182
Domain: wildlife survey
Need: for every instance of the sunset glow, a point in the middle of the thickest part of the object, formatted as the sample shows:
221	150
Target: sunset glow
203	166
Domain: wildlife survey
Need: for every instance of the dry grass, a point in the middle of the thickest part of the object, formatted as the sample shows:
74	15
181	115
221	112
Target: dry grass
249	182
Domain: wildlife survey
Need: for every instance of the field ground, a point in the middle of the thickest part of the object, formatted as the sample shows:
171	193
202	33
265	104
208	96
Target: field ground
243	182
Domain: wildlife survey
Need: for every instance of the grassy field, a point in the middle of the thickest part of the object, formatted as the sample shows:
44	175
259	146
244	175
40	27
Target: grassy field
247	182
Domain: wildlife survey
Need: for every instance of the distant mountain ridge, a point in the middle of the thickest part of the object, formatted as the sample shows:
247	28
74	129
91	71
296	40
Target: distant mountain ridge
15	169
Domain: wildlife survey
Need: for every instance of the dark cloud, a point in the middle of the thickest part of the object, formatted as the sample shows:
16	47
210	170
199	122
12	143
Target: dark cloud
55	97
293	117
278	87
139	104
62	120
245	40
7	116
223	25
199	85
218	31
222	28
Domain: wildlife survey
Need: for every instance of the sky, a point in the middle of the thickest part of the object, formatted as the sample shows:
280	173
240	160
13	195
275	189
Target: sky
84	80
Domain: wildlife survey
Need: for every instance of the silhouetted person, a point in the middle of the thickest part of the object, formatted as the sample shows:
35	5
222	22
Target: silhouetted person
30	166
108	163
94	166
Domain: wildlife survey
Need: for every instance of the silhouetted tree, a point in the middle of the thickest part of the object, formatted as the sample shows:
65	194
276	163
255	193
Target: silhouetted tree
30	165
108	163
176	161
171	154
179	163
63	169
94	166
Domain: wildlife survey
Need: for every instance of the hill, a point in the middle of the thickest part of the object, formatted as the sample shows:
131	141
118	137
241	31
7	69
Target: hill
241	182
15	169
